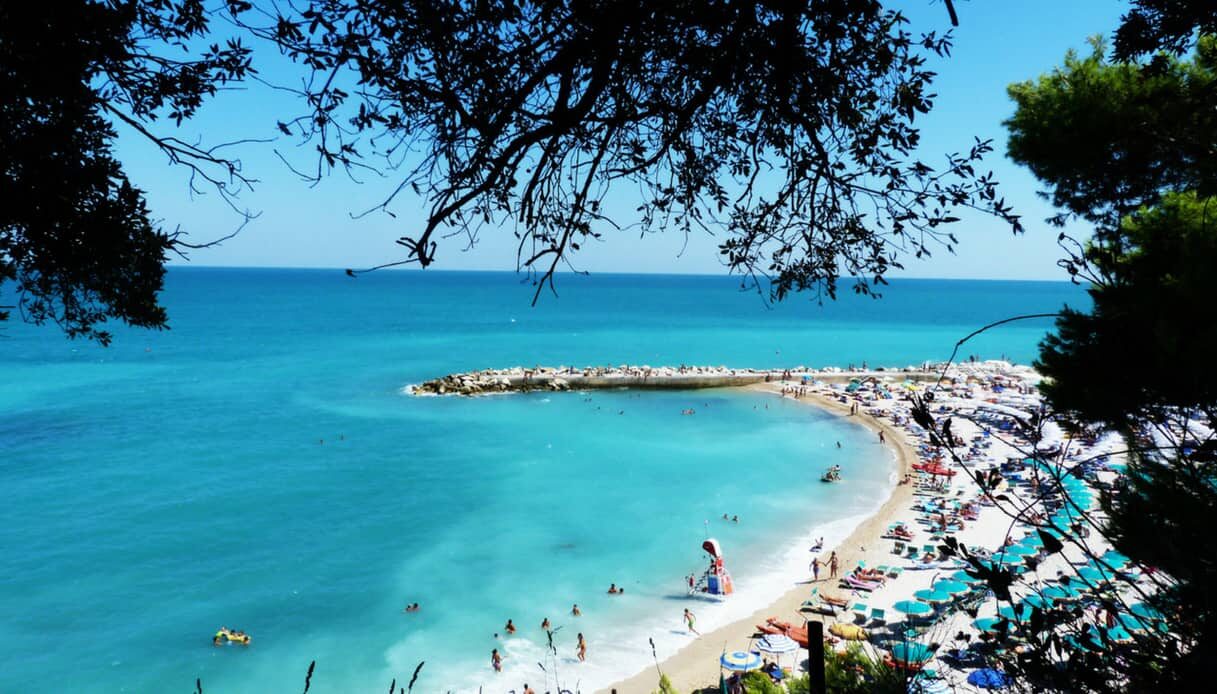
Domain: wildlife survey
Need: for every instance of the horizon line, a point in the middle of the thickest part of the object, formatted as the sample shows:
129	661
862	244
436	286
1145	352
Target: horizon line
570	273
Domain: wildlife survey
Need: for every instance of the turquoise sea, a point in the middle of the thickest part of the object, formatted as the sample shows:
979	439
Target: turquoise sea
258	466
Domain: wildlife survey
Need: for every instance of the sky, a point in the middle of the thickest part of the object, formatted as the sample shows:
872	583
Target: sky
303	225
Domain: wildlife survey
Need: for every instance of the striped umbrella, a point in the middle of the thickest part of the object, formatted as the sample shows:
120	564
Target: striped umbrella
777	644
913	608
740	661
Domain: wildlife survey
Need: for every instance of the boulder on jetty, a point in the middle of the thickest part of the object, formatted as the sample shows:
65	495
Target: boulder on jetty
543	378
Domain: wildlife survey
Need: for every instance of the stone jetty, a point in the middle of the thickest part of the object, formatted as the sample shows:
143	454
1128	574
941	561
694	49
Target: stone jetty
544	378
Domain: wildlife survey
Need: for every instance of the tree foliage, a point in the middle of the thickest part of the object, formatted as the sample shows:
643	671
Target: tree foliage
1163	25
75	235
788	128
1109	138
1129	147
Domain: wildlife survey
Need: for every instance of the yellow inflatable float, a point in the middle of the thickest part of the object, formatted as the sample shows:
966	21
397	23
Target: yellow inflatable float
849	632
226	635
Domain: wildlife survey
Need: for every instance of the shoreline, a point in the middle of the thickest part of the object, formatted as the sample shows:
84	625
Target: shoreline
687	668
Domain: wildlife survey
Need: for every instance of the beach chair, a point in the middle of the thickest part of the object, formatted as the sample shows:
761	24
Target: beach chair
878	617
929	549
912	552
899	547
894	572
860	611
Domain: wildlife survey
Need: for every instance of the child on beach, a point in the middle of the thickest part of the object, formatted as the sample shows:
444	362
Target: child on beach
689	619
582	648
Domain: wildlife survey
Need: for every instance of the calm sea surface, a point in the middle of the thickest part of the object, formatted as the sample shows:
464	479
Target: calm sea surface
258	467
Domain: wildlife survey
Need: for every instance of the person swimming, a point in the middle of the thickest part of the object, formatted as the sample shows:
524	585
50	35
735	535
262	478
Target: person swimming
613	589
574	610
545	624
510	628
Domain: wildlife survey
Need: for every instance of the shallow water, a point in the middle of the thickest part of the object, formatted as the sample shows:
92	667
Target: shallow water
258	467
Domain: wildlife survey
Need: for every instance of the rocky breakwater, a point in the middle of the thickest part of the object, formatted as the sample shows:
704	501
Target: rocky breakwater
519	379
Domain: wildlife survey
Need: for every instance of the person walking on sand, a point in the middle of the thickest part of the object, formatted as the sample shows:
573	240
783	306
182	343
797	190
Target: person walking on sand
582	648
815	568
689	619
833	565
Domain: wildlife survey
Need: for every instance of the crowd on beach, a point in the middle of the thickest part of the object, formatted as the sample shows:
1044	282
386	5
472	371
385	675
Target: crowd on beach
911	600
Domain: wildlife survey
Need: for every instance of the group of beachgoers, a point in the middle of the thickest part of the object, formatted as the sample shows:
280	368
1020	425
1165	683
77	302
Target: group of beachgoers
496	658
944	505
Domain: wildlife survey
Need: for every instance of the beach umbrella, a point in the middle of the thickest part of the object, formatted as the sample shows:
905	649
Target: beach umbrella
1060	593
1143	610
1019	551
913	608
1094	574
990	624
777	644
906	654
988	678
1115	559
963	577
740	661
933	597
1022	615
950	587
1039	601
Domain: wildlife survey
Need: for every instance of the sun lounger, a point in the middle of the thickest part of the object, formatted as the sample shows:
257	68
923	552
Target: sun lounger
894	572
899	547
860	610
878	616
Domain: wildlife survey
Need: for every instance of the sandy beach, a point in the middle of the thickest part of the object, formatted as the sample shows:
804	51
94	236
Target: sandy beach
984	401
693	667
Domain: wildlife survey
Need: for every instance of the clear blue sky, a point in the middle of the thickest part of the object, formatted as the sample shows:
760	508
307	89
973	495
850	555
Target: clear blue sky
300	226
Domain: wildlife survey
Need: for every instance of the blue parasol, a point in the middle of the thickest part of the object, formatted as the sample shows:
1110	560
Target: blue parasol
739	661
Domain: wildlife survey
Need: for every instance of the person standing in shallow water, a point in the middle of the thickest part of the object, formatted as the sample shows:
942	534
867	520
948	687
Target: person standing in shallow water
882	439
582	648
689	619
496	660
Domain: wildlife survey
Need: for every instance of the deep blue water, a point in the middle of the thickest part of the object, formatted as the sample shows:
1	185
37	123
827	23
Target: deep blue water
257	466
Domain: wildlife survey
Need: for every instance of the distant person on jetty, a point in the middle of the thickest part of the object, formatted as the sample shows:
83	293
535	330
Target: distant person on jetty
574	610
582	648
689	620
496	660
510	628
